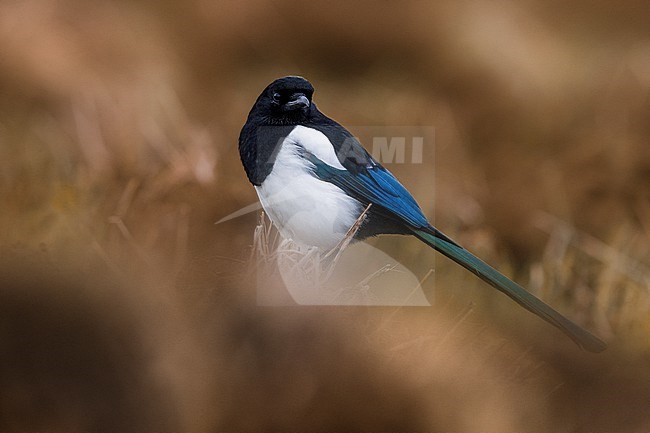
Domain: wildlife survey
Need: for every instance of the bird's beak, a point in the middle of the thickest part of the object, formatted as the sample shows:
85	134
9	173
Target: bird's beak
298	101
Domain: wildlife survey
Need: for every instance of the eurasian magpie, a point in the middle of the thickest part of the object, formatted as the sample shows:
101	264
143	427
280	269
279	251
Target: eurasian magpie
314	180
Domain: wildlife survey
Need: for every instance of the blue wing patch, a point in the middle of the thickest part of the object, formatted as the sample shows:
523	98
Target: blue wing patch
374	185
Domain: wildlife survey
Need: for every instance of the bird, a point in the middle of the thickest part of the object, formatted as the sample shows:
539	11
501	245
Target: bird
314	180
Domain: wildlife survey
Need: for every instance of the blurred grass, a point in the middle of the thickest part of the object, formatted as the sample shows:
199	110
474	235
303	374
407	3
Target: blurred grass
118	144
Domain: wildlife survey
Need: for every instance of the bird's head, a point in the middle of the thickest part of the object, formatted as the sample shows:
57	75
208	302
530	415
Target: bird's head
286	100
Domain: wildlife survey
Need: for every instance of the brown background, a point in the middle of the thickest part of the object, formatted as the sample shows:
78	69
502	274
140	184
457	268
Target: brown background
118	152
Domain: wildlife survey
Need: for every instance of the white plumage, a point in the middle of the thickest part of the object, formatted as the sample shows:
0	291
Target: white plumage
304	208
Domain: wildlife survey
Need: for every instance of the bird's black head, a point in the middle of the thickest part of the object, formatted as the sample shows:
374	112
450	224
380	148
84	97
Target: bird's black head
282	105
286	101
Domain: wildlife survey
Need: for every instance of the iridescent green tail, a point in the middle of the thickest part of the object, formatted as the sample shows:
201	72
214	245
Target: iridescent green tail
490	275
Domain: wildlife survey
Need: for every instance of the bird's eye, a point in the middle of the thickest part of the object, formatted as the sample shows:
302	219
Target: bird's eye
276	97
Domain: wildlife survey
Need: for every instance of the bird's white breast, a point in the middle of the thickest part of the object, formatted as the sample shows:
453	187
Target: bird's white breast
304	208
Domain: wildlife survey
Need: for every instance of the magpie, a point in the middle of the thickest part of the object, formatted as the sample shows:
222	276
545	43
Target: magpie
314	180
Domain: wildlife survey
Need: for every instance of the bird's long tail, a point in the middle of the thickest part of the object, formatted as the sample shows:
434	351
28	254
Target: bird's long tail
446	246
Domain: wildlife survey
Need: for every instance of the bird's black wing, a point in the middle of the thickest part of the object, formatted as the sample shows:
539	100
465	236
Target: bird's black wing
378	186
